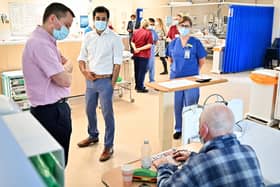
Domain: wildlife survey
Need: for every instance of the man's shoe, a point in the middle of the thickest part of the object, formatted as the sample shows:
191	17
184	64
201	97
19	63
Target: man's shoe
106	154
177	135
88	141
164	73
143	90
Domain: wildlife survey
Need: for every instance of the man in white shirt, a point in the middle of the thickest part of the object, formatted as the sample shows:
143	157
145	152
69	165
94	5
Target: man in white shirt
102	48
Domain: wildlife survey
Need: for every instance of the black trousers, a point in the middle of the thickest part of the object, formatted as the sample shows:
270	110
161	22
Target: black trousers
164	63
140	69
56	119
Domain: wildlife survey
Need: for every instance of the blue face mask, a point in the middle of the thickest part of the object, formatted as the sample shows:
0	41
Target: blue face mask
184	31
201	140
60	34
100	25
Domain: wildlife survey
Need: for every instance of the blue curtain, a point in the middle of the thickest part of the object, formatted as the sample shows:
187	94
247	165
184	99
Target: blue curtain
248	35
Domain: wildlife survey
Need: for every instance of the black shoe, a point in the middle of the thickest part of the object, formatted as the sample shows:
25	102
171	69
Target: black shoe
143	90
164	73
177	135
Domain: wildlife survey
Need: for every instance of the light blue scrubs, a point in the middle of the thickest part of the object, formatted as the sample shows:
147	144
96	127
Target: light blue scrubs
151	63
185	63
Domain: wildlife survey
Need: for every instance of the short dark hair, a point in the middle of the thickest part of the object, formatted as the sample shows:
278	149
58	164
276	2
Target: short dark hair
186	18
133	15
58	9
101	9
152	20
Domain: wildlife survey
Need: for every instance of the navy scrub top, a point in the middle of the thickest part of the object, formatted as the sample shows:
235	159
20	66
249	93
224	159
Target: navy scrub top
185	65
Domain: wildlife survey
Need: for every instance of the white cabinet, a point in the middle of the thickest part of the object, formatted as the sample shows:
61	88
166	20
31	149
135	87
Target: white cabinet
21	137
262	96
277	104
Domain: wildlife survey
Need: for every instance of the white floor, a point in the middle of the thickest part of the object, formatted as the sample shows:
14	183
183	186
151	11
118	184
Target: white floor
134	123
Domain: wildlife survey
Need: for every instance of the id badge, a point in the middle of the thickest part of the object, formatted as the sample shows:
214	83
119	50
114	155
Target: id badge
187	54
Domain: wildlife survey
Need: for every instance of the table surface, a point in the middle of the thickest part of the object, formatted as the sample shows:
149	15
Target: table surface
166	102
157	86
113	177
264	140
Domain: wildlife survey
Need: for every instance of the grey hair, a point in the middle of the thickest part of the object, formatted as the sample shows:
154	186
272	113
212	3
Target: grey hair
219	119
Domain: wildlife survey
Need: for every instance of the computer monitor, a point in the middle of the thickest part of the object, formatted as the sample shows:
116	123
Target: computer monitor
84	21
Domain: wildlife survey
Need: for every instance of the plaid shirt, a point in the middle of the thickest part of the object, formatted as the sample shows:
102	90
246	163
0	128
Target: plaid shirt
221	162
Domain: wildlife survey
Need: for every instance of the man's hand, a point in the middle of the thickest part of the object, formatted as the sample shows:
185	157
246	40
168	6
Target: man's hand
88	75
68	66
113	84
160	161
181	155
63	59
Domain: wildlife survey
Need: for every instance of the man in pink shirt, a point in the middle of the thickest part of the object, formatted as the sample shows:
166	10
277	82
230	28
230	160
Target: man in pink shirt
47	74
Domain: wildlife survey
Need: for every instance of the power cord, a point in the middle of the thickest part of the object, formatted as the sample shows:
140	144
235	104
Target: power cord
240	131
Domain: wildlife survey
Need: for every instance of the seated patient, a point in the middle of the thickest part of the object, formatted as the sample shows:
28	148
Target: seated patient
222	161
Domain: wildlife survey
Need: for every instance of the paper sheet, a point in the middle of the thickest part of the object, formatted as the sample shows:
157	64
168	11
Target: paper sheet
177	83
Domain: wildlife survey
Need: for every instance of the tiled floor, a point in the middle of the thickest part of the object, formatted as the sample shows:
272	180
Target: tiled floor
134	123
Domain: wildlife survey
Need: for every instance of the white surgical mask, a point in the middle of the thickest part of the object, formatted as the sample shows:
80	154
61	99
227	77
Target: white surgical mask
100	25
184	31
151	27
175	22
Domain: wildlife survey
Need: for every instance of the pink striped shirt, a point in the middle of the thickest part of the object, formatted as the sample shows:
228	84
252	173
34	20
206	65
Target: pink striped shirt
41	60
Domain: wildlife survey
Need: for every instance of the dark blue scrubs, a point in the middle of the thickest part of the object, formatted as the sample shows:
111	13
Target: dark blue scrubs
185	63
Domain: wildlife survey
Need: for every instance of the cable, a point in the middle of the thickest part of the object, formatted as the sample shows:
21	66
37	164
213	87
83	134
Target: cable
242	130
217	101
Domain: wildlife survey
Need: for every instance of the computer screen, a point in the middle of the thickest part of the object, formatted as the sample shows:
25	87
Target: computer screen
84	21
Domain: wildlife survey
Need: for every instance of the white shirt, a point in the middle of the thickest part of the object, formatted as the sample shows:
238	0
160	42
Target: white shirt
101	51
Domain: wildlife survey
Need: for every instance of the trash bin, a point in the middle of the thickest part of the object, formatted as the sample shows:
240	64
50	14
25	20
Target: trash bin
262	96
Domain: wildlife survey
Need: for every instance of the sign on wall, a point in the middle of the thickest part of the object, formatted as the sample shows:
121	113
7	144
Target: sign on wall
24	17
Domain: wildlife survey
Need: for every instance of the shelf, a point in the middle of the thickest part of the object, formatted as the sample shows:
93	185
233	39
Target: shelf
13	87
16	169
24	138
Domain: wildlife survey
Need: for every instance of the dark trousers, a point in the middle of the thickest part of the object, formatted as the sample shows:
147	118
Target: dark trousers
140	69
56	119
164	63
130	38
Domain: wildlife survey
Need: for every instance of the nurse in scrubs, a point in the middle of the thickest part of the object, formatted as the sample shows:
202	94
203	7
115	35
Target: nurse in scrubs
186	55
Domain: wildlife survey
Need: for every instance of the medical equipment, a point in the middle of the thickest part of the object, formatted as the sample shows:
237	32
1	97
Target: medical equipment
126	75
13	86
191	114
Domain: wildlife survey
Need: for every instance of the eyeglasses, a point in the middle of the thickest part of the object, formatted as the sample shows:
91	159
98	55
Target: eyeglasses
186	26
